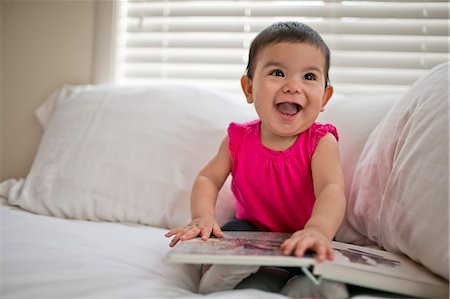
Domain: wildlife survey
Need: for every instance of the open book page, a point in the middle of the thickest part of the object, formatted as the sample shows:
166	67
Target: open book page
353	264
239	248
350	257
381	270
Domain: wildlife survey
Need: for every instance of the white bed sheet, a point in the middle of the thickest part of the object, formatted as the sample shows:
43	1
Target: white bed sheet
48	257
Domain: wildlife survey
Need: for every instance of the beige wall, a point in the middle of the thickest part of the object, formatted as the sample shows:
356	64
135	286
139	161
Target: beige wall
1	95
44	45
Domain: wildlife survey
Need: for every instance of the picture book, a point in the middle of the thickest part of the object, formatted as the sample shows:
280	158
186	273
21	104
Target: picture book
357	265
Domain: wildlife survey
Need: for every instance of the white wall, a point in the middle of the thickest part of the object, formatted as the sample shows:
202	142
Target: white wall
45	44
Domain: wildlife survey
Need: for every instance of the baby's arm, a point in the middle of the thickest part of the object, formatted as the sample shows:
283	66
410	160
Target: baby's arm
329	208
203	199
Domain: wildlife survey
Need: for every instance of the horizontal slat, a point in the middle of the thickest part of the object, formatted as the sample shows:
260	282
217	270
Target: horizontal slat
133	2
392	43
356	10
338	42
375	76
212	71
386	60
327	26
189	55
369	88
231	85
289	8
393	1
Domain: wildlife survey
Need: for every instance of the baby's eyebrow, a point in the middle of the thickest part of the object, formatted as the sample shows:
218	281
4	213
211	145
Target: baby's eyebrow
315	68
274	64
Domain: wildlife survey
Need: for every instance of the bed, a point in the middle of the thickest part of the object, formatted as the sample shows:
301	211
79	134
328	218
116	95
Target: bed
115	165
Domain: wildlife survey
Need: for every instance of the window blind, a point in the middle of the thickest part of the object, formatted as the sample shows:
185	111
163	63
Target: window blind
376	46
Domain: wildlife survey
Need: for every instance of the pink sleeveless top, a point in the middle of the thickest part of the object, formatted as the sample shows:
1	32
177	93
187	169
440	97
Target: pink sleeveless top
273	189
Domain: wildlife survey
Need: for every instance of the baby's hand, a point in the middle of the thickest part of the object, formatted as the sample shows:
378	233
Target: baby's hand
200	226
308	238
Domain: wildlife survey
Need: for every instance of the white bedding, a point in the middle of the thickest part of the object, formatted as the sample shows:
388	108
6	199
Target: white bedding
48	257
115	155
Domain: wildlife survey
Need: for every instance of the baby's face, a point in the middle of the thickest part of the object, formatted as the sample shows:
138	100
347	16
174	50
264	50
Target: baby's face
288	88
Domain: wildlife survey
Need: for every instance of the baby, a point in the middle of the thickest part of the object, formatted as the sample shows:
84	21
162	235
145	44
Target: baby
285	166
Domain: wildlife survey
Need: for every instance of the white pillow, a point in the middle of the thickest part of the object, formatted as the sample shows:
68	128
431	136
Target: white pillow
355	116
399	197
128	154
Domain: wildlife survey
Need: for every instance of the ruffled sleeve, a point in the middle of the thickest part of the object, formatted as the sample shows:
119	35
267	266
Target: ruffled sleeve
236	133
233	134
320	130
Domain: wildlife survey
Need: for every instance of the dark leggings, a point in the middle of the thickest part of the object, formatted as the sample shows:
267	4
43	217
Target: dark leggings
238	225
271	279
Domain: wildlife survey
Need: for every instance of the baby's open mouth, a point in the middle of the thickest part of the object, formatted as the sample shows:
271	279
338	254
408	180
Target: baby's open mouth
289	108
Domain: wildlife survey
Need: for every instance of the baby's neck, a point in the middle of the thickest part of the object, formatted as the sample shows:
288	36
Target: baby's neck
276	142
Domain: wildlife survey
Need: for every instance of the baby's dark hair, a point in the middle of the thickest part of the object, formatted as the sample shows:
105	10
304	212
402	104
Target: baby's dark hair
292	32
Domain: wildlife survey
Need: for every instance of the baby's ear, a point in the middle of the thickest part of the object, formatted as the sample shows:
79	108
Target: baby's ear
246	84
326	96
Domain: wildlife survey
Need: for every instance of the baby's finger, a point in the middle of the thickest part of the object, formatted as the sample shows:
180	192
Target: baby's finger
286	247
206	232
190	233
289	246
217	231
330	253
175	240
173	232
303	246
321	252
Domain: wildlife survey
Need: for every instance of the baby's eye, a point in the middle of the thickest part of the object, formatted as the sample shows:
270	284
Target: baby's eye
310	76
277	73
